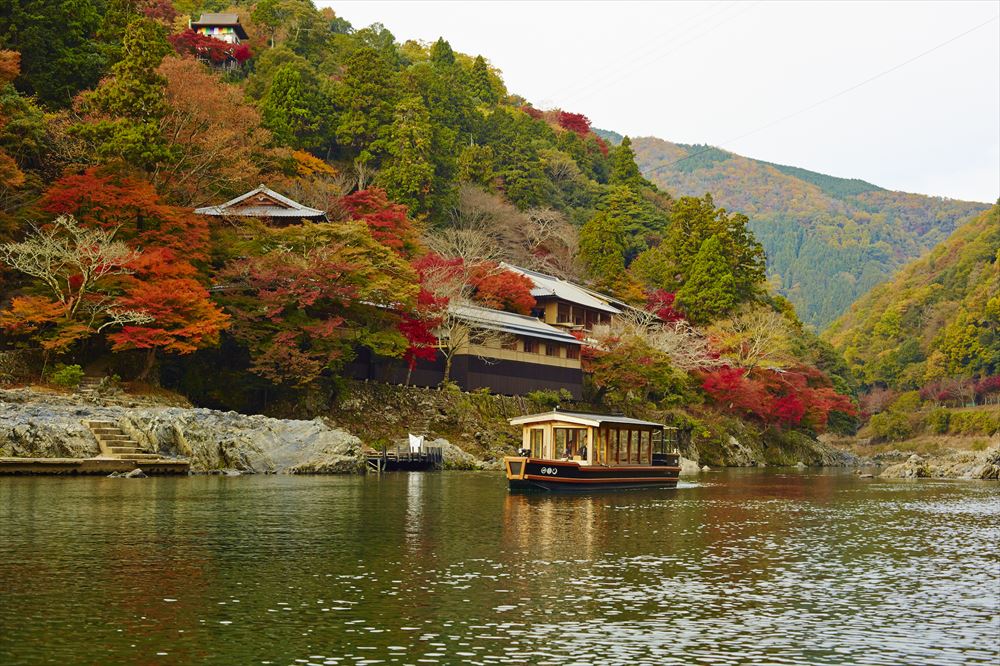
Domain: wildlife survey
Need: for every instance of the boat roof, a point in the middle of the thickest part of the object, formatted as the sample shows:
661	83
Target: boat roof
265	202
508	322
583	418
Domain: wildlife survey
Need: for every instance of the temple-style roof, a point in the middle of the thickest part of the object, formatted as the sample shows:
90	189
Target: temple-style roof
508	322
549	286
582	418
211	20
261	202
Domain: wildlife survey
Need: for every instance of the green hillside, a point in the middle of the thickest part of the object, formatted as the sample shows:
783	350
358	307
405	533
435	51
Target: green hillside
939	317
828	240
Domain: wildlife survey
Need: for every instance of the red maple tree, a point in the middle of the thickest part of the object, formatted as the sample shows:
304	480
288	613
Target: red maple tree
387	221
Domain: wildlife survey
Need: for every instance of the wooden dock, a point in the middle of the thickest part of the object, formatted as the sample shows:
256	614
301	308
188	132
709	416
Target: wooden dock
90	466
402	459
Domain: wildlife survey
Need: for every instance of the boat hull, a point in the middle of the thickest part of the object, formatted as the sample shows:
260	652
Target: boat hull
539	474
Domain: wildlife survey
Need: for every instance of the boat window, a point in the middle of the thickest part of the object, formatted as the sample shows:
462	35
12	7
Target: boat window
569	441
633	448
645	452
537	436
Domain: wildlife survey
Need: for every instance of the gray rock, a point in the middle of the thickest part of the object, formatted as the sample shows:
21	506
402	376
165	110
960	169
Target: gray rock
689	466
706	468
36	425
135	474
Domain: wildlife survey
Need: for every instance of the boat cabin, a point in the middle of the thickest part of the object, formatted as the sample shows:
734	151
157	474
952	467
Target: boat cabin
594	439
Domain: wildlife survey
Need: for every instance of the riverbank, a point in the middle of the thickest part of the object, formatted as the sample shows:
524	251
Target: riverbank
471	428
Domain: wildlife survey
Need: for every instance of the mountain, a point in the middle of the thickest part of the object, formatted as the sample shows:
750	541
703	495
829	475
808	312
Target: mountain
939	317
828	240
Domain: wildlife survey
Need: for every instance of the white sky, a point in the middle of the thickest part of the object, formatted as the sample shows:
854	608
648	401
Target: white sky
712	72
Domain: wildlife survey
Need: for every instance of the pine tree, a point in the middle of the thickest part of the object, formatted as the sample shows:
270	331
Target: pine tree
442	54
624	170
58	55
366	99
482	85
710	289
293	109
407	173
130	104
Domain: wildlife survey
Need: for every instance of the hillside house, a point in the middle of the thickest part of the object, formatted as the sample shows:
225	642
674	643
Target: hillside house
264	203
527	355
224	27
567	305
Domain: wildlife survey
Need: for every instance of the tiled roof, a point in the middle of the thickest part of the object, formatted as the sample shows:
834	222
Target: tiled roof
285	207
553	287
514	324
218	19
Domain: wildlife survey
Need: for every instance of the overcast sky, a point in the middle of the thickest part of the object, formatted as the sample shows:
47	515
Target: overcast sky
716	72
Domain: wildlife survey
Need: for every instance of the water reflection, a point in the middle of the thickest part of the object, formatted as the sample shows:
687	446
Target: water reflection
742	568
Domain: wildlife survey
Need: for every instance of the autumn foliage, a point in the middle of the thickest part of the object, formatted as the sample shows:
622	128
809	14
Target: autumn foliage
799	397
386	220
214	50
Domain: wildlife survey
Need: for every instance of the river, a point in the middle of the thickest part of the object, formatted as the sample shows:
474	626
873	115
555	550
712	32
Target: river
742	567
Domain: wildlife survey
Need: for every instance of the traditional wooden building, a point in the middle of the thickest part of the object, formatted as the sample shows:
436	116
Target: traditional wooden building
568	305
526	355
224	27
264	203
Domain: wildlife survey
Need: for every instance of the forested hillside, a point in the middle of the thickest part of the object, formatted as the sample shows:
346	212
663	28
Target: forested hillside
938	319
430	174
828	240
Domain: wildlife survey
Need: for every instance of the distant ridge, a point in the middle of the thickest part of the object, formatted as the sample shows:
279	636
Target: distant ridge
828	239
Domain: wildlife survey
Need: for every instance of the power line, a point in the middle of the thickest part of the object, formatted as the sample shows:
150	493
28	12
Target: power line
658	41
641	62
830	98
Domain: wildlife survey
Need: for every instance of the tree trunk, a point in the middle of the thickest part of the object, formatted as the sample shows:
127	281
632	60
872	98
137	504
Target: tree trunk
447	369
148	366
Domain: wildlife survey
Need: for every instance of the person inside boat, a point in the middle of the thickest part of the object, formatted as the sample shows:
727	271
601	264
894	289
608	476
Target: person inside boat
582	452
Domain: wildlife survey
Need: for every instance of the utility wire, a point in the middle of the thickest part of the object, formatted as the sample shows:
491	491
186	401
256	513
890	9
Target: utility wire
657	42
828	99
639	64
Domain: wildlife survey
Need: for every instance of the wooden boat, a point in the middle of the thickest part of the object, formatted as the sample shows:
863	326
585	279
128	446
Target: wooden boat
573	451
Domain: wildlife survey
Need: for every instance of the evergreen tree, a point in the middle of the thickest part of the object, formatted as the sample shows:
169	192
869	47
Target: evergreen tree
294	109
59	58
131	103
475	164
118	14
624	170
710	289
366	99
441	53
693	220
407	173
482	84
602	248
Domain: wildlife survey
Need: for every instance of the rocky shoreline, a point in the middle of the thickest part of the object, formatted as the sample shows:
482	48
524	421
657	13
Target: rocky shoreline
35	423
52	425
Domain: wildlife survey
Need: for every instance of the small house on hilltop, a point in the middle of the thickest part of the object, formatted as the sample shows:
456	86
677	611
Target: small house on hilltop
224	27
266	204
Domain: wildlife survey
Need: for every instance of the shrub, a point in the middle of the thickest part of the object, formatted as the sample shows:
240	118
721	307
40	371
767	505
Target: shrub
69	376
907	402
974	423
938	420
890	426
550	398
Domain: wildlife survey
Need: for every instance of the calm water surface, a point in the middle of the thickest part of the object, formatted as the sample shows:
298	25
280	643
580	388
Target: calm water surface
751	567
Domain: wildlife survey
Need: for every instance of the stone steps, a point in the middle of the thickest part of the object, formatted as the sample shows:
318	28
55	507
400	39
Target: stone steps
116	443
